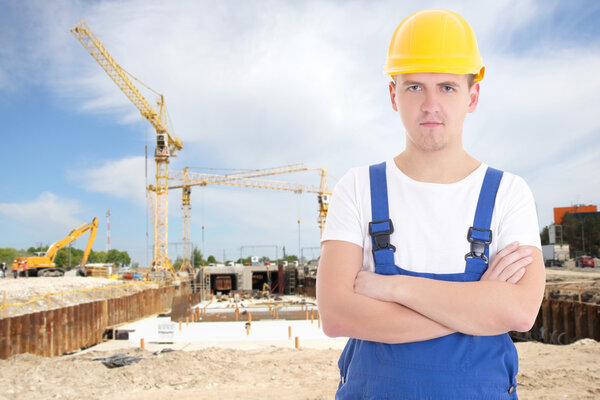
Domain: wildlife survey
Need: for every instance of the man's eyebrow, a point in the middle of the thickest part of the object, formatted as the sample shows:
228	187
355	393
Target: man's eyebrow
411	83
449	83
445	83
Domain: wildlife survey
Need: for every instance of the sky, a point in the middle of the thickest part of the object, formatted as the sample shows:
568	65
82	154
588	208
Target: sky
261	84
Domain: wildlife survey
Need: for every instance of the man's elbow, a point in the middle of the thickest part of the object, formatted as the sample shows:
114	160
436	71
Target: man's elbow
331	322
524	322
331	327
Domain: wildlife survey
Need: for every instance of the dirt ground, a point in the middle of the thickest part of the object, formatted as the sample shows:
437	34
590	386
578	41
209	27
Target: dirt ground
546	372
571	273
576	284
21	294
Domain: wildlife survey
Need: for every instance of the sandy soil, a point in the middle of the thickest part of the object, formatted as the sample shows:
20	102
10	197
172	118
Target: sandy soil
547	372
76	290
576	284
557	274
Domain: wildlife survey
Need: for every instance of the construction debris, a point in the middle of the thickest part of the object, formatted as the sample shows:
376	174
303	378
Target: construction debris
118	360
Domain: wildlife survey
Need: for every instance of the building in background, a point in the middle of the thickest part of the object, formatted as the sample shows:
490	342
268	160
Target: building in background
579	211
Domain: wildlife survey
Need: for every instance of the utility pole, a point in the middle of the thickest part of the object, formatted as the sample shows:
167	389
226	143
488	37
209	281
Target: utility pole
299	248
582	235
108	230
203	253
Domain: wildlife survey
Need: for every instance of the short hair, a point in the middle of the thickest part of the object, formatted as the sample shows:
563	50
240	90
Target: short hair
470	79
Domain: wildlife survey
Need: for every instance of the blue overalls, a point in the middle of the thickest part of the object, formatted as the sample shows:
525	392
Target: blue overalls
456	366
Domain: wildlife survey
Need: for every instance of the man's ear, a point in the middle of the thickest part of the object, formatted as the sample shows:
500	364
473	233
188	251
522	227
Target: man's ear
473	97
392	87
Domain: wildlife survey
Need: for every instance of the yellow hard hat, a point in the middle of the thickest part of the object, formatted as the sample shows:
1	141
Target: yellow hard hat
434	41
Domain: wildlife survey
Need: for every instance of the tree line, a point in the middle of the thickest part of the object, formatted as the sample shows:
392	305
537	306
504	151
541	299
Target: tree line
581	233
117	257
198	260
61	260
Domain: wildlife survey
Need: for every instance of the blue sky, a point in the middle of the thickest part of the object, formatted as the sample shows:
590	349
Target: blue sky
263	84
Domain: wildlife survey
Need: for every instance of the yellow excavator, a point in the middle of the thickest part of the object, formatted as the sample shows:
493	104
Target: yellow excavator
43	264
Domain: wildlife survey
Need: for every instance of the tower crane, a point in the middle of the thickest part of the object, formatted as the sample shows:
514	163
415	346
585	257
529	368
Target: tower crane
167	144
188	179
184	176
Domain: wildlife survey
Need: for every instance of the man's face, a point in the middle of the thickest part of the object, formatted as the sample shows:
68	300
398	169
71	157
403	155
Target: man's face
433	107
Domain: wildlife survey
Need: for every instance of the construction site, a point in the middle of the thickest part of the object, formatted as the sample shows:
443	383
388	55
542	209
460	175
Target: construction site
227	330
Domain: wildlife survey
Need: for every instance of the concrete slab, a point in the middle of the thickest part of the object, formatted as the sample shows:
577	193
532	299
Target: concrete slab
160	332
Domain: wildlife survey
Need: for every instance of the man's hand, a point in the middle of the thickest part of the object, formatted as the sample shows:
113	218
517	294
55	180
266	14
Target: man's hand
377	286
508	265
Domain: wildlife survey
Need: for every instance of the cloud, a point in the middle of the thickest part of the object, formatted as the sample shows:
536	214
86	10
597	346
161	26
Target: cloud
234	217
122	178
269	83
48	212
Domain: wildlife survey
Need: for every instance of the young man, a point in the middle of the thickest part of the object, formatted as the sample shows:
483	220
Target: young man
430	258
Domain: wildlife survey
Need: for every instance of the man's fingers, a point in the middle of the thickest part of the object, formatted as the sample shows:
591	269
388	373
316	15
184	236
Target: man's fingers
511	259
517	276
507	262
493	271
511	269
505	251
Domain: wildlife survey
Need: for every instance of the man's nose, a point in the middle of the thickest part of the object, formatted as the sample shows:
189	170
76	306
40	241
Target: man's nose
430	102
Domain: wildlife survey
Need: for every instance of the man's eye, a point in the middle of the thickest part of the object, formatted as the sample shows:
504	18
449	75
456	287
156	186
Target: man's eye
413	88
448	89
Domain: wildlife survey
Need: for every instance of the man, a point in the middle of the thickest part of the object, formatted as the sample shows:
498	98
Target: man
430	258
15	269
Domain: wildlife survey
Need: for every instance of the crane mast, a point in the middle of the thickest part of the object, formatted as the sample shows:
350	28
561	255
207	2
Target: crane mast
167	144
187	179
185	176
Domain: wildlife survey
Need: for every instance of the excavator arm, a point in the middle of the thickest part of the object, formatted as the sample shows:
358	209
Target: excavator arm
75	233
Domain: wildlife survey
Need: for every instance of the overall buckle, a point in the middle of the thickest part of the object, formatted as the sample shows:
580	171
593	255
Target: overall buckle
479	239
381	231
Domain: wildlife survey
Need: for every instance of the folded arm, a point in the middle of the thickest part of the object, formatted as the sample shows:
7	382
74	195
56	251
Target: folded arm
486	307
346	313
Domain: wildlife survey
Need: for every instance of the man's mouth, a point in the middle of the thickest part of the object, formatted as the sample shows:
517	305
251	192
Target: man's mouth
431	124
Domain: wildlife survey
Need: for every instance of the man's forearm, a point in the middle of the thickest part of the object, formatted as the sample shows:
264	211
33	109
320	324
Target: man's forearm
346	313
486	307
477	308
365	318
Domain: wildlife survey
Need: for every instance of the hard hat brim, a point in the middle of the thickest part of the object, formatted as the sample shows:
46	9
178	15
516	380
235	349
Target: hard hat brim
432	67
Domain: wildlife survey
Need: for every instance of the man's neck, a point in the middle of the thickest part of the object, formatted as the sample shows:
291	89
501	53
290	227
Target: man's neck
442	166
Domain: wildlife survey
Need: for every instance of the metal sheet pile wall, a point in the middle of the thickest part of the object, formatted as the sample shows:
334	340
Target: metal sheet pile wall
563	322
64	330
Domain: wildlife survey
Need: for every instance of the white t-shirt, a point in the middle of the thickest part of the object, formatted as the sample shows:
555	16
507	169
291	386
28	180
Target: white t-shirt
431	220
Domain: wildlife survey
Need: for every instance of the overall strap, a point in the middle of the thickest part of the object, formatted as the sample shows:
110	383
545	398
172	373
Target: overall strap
480	235
381	227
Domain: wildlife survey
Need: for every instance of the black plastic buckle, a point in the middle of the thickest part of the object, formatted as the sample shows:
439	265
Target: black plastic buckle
478	246
382	238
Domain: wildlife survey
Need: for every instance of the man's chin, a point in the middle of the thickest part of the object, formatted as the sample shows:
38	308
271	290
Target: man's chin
431	146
